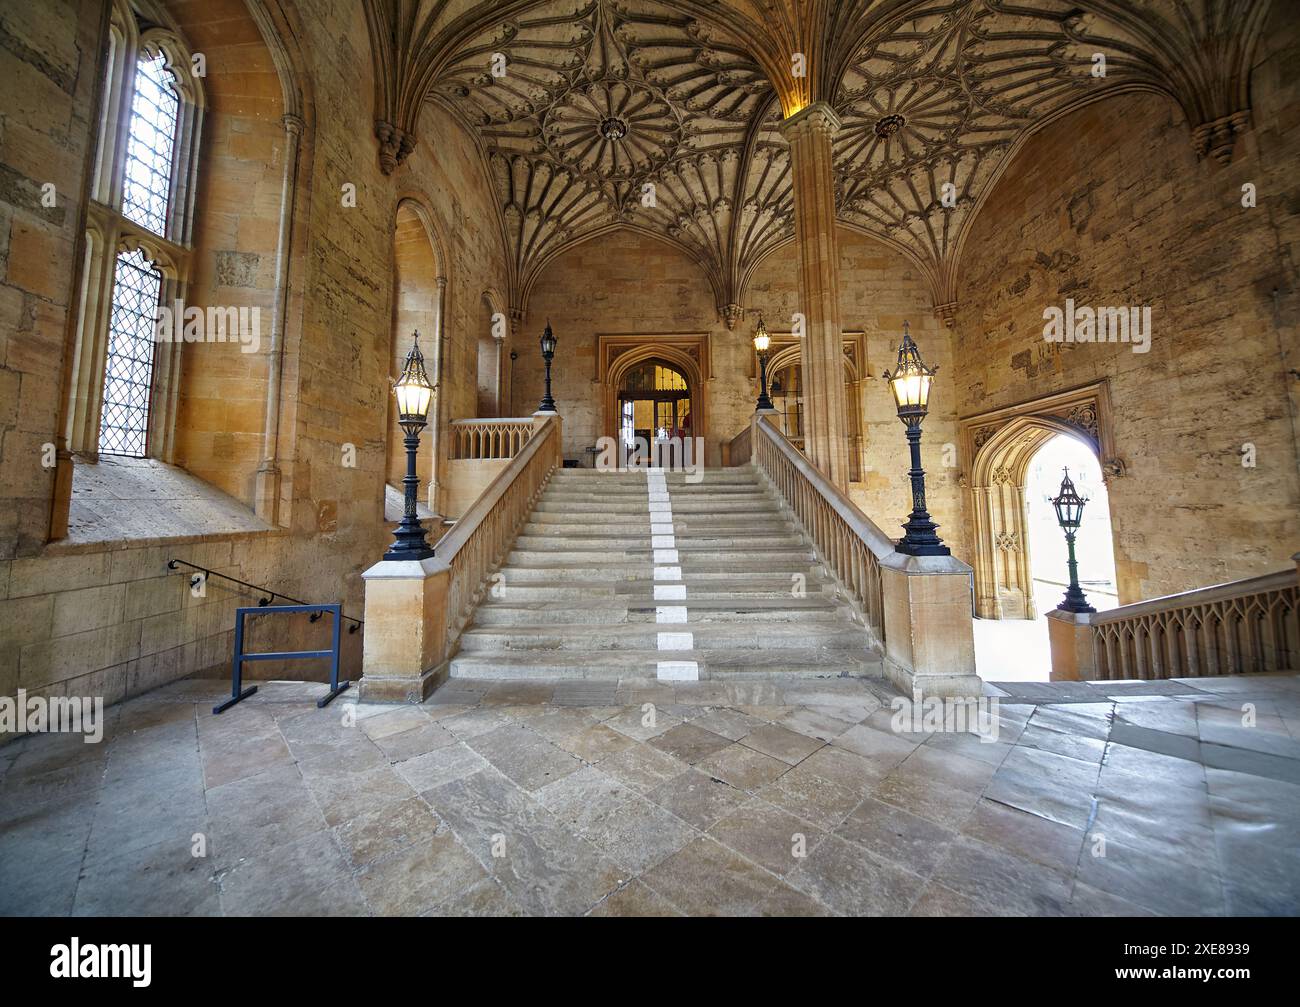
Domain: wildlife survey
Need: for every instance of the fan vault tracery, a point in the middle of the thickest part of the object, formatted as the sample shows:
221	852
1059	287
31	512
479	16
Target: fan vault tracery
661	115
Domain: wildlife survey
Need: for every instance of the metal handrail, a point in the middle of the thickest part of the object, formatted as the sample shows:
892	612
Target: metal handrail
268	595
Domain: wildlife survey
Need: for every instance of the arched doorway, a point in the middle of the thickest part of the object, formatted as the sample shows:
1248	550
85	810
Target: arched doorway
1001	507
1094	550
785	387
654	403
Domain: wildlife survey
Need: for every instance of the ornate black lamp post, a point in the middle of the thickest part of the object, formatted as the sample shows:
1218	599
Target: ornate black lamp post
910	384
1069	515
414	395
548	354
762	343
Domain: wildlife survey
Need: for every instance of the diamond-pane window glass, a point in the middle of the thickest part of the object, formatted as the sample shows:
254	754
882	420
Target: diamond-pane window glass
128	371
146	194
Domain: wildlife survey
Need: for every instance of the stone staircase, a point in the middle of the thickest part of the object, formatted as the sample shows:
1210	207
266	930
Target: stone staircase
629	574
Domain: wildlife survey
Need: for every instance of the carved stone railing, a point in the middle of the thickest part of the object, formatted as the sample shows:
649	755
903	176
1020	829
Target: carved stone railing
848	542
481	538
1229	629
495	438
415	610
740	448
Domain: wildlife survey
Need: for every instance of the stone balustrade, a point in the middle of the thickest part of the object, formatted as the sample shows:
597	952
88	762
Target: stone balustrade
419	608
917	607
1247	626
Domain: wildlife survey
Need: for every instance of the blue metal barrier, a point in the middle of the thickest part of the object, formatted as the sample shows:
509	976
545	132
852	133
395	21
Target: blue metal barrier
237	670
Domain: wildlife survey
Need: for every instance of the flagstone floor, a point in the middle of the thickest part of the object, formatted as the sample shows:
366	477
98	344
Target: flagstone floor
769	798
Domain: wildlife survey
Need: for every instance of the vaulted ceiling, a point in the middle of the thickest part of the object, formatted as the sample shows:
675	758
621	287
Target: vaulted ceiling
661	115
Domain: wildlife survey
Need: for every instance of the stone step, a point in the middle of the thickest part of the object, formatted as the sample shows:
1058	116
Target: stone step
567	523
538	567
610	611
694	505
721	475
645	664
646	636
758	570
687	556
643	590
585	527
684	539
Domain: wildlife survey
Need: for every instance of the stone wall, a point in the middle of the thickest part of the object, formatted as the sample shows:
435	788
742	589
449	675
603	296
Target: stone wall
1110	206
107	617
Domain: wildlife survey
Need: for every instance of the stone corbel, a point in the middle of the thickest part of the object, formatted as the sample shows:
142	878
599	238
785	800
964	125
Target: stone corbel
946	313
731	314
1218	138
395	145
1113	468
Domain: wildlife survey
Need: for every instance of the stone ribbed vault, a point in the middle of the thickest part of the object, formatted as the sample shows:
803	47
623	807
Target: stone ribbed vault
661	115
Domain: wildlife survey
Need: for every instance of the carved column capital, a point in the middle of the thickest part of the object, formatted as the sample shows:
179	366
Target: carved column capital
394	145
946	313
818	117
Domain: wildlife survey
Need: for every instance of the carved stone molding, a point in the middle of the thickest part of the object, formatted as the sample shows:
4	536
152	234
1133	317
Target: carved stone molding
666	115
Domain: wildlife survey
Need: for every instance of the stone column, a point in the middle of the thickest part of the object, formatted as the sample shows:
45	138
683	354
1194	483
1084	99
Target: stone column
826	429
435	434
267	491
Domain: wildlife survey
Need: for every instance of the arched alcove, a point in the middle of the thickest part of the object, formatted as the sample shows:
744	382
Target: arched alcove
416	269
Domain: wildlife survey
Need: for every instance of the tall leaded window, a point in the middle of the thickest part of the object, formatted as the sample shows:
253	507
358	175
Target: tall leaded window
137	239
128	371
151	142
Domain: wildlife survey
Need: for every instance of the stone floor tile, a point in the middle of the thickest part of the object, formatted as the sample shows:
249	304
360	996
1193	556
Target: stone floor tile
440	766
697	798
377	834
883	750
1168	887
638	834
1007	884
344	794
512	693
541	864
730	724
417	741
166	879
704	878
936	900
689	742
855	882
595	743
771	837
782	743
1041	840
643	724
307	877
581	798
898	835
743	768
393	721
1136	764
817	724
253	815
524	756
483	898
805	794
635	899
420	877
642	767
467	724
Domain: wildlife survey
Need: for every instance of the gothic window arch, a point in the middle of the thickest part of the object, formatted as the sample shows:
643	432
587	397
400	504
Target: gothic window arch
138	240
